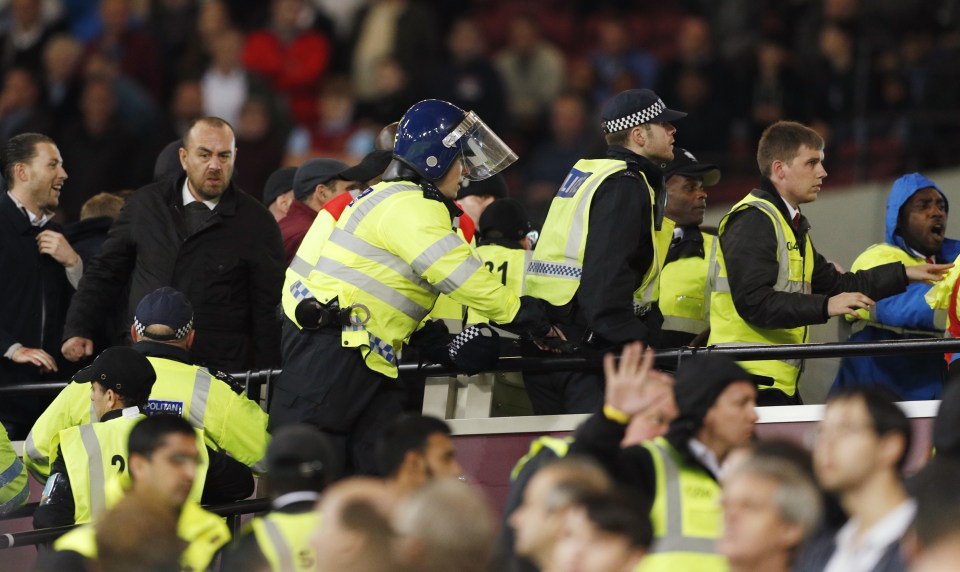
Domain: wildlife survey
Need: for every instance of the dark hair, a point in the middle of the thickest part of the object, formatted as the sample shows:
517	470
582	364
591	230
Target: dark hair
618	512
19	149
149	434
408	433
782	142
885	416
938	500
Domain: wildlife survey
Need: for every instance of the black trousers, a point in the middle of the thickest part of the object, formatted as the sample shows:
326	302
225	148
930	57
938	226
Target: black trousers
329	386
560	392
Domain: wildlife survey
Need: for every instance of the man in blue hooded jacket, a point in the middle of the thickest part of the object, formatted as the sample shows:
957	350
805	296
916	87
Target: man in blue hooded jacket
916	221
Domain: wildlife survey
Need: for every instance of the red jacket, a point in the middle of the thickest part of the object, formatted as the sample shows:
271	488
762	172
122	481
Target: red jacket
292	69
295	225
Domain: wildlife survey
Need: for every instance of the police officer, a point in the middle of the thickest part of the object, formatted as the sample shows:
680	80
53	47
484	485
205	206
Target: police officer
14	491
120	383
232	423
165	463
378	273
598	257
300	464
686	280
678	472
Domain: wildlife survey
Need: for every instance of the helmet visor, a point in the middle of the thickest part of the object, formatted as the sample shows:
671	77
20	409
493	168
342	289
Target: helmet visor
484	153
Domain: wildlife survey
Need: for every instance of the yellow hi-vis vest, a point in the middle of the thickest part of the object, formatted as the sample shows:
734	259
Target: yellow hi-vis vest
204	532
509	266
685	288
446	310
686	515
229	422
389	256
284	540
13	476
557	265
559	446
878	255
94	453
294	289
727	328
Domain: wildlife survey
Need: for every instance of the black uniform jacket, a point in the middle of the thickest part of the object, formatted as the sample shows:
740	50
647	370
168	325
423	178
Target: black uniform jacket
231	268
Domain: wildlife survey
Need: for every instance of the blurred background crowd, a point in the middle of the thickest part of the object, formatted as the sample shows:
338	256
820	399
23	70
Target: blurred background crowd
114	81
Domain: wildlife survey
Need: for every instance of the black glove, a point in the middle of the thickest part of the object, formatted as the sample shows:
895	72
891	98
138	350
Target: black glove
531	320
431	341
476	349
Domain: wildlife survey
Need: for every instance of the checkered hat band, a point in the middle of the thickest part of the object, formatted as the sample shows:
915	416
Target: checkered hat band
176	335
639	118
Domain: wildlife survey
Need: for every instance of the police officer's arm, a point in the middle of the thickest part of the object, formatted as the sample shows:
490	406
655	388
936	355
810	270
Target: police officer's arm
105	278
619	221
228	480
266	281
749	245
58	416
442	257
57	507
242	429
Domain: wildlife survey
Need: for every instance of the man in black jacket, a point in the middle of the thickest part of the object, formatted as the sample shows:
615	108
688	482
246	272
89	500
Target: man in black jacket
772	284
38	264
201	235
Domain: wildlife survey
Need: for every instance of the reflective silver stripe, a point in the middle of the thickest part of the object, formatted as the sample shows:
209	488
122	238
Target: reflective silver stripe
280	546
783	255
713	271
11	472
374	287
682	324
260	467
460	275
95	461
673	539
435	252
363	248
30	447
364	206
572	250
722	284
527	258
791	362
198	401
555	269
300	266
19	499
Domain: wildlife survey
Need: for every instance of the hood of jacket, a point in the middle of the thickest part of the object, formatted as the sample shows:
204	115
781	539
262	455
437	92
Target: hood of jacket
904	188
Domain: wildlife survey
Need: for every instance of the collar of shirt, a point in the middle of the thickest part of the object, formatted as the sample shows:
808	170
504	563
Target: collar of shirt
706	457
188	197
864	555
677	234
916	254
34	219
295	497
793	212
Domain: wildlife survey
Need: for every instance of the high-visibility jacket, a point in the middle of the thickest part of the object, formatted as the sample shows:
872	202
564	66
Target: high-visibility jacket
391	253
284	539
557	265
204	532
559	446
94	453
685	288
14	491
229	422
509	266
445	309
686	515
795	275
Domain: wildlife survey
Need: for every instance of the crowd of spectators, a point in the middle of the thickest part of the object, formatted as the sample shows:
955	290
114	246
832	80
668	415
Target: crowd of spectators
114	81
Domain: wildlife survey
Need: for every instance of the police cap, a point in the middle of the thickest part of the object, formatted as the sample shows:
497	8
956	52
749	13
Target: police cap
635	107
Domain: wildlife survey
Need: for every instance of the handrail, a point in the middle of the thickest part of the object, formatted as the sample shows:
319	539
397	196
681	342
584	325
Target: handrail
30	537
670	359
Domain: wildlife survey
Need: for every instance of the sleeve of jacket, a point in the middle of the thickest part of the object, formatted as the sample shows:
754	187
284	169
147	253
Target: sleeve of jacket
441	257
619	218
878	282
104	280
266	282
228	480
59	415
242	429
907	310
749	245
599	438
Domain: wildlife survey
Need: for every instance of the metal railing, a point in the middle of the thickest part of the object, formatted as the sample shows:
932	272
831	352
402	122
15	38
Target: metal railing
232	511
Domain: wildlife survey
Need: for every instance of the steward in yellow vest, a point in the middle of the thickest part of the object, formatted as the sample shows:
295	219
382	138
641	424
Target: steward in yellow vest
89	455
772	284
602	246
14	489
379	272
300	465
716	401
689	270
212	402
164	462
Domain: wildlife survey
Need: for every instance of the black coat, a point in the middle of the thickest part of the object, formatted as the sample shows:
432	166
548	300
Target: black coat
231	269
749	244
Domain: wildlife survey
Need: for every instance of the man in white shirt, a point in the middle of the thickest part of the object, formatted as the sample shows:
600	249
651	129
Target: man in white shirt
861	447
